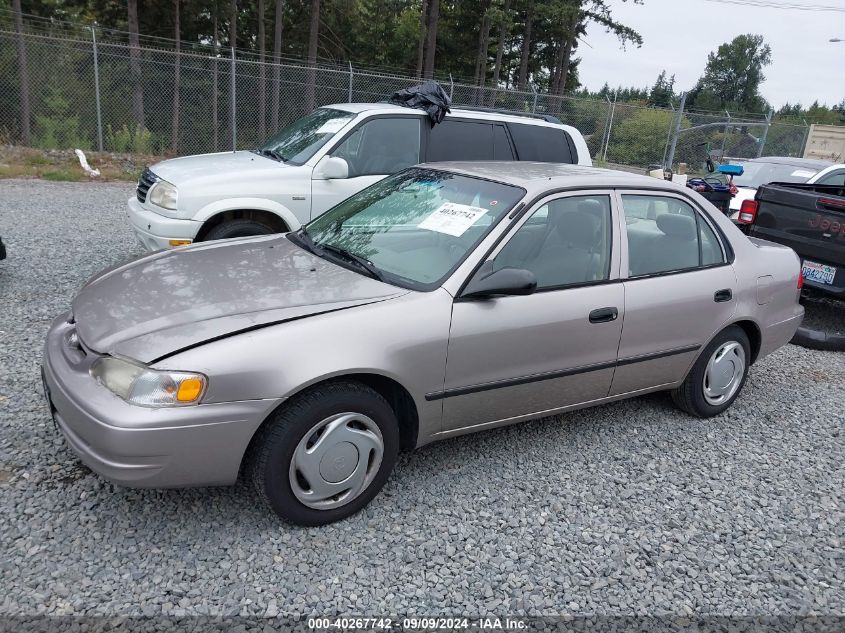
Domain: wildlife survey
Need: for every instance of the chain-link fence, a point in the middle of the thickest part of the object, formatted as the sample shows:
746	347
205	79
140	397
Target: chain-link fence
82	92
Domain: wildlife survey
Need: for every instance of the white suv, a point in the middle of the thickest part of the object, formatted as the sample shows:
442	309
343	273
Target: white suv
323	158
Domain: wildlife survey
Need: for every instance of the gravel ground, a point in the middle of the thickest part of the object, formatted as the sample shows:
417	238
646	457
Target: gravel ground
631	508
824	313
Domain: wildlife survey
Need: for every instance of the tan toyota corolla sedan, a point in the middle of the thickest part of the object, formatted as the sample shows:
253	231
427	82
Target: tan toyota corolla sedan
443	300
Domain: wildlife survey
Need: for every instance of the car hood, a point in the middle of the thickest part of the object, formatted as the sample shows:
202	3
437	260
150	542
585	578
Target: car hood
157	305
211	166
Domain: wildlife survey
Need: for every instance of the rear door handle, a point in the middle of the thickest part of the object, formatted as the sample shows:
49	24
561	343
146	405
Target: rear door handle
720	296
603	315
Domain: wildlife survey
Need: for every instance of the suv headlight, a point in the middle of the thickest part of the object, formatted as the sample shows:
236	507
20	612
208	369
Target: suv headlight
138	384
164	195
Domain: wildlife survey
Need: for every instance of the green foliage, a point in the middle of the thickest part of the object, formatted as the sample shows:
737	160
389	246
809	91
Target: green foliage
382	33
57	128
733	76
366	32
620	94
36	160
784	140
662	92
62	175
816	113
639	139
128	140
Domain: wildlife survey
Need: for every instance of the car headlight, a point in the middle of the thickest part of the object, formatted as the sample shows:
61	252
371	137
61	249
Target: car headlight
138	384
164	195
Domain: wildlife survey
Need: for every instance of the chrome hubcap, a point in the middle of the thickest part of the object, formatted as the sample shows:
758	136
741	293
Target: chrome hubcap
724	373
336	460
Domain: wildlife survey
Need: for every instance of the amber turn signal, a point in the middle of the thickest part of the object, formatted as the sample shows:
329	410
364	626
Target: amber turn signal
189	390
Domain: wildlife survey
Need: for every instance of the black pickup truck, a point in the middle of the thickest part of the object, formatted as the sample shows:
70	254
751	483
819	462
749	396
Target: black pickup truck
808	218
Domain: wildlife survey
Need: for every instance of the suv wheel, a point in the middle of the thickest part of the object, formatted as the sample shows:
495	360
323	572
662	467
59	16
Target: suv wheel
237	228
326	454
718	375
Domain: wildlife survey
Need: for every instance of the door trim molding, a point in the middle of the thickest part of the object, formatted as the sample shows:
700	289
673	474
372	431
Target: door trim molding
561	373
672	352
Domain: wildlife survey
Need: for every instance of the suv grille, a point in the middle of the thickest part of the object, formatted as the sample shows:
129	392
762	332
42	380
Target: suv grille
146	181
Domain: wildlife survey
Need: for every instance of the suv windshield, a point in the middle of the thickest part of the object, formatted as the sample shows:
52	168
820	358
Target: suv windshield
415	227
301	139
757	174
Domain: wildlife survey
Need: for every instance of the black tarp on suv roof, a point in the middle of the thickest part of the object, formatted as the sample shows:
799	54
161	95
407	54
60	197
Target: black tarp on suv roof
428	96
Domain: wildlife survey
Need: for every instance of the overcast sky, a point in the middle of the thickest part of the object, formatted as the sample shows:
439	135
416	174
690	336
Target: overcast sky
678	35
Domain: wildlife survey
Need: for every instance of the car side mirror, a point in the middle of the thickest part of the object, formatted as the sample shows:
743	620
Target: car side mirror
332	168
503	282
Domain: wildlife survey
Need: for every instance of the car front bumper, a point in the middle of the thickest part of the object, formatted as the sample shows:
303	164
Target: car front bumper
154	231
142	447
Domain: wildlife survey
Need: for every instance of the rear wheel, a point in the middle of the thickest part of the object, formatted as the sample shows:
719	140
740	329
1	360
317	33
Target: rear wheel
326	454
718	375
238	228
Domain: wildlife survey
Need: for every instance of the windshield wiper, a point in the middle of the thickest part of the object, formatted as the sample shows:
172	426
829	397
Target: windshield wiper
320	249
361	262
271	153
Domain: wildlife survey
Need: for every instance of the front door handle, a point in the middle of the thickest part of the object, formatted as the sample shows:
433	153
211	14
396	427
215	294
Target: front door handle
720	296
603	315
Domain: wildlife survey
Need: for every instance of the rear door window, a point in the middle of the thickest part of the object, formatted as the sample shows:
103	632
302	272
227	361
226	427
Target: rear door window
541	143
665	234
460	140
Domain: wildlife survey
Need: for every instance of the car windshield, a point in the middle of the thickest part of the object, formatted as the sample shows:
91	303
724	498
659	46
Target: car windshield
300	140
415	227
757	174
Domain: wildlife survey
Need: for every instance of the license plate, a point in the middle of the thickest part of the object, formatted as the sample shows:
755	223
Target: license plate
820	273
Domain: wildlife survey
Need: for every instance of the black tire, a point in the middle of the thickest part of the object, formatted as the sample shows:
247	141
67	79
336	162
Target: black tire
237	228
690	395
274	446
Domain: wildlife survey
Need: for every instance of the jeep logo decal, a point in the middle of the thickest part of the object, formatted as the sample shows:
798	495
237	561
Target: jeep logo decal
827	225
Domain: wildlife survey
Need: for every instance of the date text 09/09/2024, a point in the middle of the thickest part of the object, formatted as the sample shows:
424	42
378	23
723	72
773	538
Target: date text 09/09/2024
418	623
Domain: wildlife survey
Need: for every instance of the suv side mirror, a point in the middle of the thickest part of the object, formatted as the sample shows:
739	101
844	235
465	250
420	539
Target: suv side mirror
332	168
503	282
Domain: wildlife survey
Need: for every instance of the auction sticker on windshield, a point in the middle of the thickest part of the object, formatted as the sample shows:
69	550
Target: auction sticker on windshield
452	218
820	273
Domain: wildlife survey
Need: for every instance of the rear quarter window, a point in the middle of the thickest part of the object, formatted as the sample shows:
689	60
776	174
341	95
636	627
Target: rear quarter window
541	143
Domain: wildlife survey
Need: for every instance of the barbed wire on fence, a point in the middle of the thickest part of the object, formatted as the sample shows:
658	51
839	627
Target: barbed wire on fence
81	93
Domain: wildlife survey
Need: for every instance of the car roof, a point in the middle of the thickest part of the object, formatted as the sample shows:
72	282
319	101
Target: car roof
790	160
538	177
483	115
829	168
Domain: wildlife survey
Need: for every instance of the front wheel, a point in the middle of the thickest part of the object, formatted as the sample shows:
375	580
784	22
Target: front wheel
326	454
718	375
237	228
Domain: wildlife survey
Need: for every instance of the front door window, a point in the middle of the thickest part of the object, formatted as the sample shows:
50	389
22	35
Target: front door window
381	146
565	242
